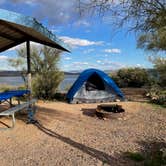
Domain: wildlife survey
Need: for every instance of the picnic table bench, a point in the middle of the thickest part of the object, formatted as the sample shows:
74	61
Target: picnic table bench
11	111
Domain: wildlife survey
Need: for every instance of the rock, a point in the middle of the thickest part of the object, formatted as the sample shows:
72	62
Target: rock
117	100
124	118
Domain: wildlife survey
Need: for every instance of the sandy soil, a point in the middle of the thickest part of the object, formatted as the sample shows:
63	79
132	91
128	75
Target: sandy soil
72	135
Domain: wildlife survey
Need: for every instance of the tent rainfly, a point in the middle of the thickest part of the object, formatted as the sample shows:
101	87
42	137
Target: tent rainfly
16	28
94	86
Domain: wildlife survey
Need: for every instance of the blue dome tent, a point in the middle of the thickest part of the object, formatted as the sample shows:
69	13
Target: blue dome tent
94	86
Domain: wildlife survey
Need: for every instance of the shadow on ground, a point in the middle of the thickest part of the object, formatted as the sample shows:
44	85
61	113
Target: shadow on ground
45	115
3	124
89	112
102	156
152	153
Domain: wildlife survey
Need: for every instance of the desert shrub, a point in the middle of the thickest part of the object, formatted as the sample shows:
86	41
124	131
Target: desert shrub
22	87
157	91
131	77
48	77
156	158
46	84
157	95
160	68
4	88
45	72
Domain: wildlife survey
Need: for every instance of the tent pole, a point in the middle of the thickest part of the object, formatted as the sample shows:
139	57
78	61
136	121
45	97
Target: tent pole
28	65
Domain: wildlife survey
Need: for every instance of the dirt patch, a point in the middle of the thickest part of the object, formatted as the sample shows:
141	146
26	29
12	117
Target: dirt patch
65	135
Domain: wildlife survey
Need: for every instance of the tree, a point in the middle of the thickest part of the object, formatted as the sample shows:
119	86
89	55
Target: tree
146	17
45	73
160	67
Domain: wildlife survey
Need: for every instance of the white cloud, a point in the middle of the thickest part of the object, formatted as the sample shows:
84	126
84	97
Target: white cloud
3	57
113	50
24	45
80	42
108	19
80	63
98	64
88	51
82	23
16	47
55	11
55	30
138	65
98	61
67	58
107	64
88	31
30	2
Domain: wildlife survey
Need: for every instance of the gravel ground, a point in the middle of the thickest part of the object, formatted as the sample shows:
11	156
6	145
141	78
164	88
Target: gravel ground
72	135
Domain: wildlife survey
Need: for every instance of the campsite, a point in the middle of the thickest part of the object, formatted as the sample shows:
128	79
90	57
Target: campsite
67	136
75	90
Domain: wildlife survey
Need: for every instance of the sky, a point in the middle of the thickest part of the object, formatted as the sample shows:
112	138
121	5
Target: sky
94	41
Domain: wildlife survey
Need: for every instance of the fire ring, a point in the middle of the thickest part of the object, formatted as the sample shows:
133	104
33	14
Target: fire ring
110	111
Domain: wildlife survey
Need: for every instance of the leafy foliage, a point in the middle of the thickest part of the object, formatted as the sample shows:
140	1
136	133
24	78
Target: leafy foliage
157	95
151	159
44	66
157	91
135	156
146	17
160	67
131	77
155	41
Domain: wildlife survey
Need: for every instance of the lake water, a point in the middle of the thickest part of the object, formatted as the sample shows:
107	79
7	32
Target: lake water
18	81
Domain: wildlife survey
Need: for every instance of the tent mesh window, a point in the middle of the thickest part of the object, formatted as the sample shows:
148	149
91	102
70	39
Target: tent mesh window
94	82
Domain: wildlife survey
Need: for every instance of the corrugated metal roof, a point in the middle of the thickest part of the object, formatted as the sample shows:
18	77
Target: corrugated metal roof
16	29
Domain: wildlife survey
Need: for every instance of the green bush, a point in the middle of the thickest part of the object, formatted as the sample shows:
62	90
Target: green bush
156	158
45	72
135	156
46	84
160	68
131	77
4	88
47	77
157	92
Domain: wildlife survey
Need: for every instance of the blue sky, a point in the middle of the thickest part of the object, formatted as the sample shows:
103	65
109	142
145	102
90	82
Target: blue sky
94	42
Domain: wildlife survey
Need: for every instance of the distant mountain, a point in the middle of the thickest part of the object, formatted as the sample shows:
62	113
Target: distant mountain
73	72
79	71
10	73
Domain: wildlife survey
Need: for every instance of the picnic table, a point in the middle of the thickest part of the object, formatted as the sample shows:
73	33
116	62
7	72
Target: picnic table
7	97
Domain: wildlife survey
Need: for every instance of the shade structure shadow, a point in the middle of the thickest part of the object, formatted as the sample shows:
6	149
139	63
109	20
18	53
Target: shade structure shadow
46	115
4	124
102	156
89	112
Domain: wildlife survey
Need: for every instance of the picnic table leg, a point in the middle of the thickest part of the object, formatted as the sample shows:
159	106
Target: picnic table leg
10	101
18	101
13	124
13	121
31	113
